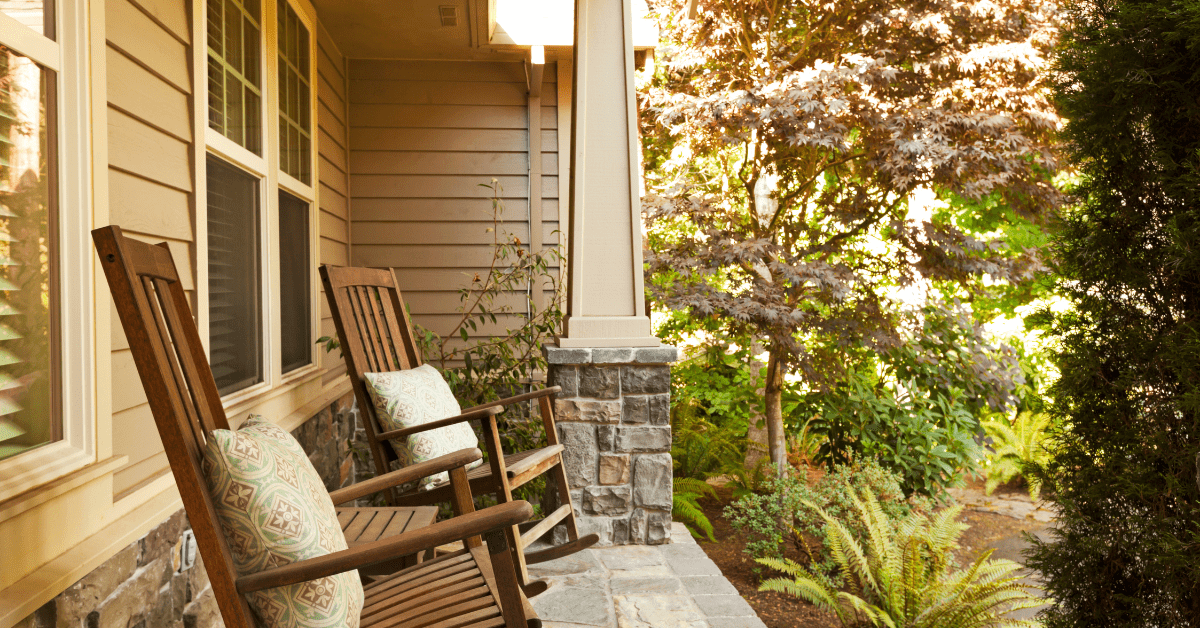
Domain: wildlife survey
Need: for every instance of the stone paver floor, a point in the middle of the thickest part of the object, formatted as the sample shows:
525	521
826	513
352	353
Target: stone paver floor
638	586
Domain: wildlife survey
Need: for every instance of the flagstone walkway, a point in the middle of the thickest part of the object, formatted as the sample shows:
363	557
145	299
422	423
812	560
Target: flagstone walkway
638	586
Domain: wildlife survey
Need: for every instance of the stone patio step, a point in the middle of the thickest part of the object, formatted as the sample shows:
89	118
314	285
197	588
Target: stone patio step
639	586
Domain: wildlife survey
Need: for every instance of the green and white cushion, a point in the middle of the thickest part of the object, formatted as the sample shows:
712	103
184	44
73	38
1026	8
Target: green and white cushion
274	510
415	397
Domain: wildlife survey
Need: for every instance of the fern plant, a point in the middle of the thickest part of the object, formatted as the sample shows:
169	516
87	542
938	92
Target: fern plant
685	505
905	575
1017	446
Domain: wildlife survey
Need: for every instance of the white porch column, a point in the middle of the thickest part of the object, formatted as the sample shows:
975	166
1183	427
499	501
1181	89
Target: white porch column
605	300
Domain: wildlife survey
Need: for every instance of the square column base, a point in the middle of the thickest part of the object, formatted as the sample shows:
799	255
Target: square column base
614	422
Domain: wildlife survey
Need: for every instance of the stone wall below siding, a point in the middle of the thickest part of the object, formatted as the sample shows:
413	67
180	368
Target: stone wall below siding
614	421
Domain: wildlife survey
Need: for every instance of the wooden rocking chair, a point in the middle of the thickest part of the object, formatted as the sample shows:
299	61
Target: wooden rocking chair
376	336
471	588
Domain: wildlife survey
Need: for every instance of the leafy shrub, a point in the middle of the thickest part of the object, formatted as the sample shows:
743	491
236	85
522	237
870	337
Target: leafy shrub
685	506
1016	446
903	574
701	448
918	410
1124	554
789	512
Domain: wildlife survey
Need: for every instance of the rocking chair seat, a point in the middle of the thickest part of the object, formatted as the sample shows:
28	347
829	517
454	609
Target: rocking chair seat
452	591
521	467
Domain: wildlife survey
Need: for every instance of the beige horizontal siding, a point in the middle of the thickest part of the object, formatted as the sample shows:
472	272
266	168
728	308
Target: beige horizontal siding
424	136
334	222
149	186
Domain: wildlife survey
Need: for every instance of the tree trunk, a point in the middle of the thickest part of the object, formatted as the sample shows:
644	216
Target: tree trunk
773	393
756	434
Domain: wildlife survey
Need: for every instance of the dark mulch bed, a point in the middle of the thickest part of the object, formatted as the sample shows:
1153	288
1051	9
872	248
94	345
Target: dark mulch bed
775	609
778	610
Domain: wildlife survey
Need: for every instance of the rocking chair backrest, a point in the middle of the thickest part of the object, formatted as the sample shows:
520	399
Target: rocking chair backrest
375	333
179	386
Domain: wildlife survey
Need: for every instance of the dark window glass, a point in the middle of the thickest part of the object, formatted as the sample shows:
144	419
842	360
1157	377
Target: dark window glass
234	293
294	272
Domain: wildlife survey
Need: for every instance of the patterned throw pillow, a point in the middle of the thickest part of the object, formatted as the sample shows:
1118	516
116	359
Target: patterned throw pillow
415	397
274	510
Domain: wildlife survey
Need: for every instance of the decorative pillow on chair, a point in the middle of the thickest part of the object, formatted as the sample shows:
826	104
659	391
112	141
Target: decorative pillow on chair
275	510
415	397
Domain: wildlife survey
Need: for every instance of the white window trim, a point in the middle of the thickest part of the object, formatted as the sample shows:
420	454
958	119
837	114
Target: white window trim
68	56
271	181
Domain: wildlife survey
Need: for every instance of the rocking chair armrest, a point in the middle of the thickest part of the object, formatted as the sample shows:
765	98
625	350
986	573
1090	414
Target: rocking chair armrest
471	415
449	531
410	473
508	401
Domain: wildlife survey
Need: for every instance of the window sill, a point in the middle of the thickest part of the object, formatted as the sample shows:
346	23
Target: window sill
39	495
266	400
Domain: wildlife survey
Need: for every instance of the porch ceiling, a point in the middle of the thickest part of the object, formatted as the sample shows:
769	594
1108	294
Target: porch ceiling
388	29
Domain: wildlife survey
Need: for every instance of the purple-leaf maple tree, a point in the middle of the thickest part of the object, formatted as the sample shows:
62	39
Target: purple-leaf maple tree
785	139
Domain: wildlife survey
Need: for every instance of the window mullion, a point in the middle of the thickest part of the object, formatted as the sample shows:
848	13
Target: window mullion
271	299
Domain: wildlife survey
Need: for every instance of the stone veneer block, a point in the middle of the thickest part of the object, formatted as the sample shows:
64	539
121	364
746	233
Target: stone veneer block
614	469
580	453
598	382
635	409
645	379
660	409
652	480
607	500
642	439
587	410
612	356
558	355
565	378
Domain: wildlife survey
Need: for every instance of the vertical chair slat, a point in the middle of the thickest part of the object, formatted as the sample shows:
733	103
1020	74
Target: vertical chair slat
383	338
371	330
182	396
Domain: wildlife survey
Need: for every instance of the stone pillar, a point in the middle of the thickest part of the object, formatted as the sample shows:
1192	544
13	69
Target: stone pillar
614	421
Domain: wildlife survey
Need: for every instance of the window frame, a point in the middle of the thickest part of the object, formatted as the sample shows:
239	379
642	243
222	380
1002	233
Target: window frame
272	180
67	56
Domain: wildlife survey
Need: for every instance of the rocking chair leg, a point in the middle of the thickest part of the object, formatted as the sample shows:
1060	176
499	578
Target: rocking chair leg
491	435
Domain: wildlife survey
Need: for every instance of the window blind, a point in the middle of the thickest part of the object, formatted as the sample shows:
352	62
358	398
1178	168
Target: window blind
234	272
234	87
295	126
29	416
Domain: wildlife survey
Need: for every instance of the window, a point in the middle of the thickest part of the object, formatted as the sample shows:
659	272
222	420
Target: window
28	286
234	92
234	268
47	367
260	198
294	282
295	142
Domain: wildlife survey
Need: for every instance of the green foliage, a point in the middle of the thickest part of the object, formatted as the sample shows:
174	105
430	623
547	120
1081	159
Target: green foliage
1128	254
685	506
784	513
1017	445
701	449
919	412
902	575
755	480
717	382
